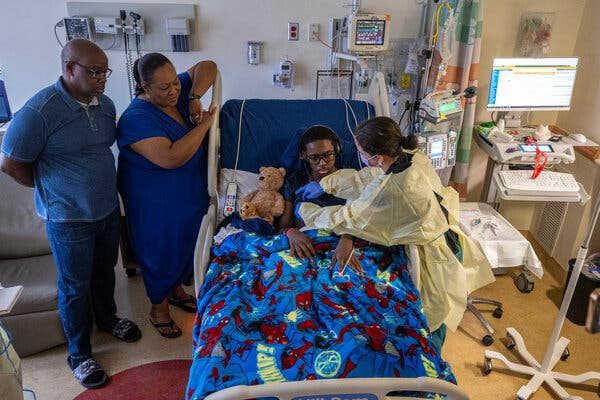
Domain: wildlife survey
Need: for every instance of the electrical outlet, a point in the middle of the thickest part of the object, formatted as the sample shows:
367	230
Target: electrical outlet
293	30
313	32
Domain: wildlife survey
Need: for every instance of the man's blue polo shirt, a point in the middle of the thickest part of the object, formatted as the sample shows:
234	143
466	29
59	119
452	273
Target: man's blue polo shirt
69	148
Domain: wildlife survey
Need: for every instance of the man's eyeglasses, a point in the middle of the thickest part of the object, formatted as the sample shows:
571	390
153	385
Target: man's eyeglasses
316	158
95	73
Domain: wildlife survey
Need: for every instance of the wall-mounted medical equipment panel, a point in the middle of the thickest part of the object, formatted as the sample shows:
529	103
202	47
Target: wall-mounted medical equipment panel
285	76
158	27
368	32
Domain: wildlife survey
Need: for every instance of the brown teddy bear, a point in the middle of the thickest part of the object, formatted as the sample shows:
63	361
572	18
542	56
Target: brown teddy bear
248	210
267	199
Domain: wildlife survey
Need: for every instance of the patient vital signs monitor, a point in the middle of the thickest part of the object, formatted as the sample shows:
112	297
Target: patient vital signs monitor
532	84
368	32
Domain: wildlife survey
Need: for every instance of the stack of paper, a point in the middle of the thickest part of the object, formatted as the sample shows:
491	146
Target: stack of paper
8	298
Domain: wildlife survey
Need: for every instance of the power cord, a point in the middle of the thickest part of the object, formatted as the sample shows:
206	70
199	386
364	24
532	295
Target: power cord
60	24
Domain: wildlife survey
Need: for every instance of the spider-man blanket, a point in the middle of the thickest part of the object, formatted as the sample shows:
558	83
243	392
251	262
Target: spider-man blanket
264	316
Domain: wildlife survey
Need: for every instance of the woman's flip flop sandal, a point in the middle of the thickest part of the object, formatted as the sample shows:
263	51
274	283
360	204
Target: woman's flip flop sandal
175	332
187	303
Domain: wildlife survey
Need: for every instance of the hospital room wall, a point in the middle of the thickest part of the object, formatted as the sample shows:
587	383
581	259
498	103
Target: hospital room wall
583	118
499	36
29	52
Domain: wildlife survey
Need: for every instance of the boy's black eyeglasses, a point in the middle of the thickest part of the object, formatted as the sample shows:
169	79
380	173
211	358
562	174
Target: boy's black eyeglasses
316	158
95	73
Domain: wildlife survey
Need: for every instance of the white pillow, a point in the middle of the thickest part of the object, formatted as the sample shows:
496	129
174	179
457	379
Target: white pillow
247	182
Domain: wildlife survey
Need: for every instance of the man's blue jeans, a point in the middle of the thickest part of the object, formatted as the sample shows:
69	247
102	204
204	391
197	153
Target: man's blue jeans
85	254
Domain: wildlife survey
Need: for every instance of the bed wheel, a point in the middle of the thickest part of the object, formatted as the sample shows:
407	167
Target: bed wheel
510	341
497	313
565	354
130	272
487	340
524	282
487	365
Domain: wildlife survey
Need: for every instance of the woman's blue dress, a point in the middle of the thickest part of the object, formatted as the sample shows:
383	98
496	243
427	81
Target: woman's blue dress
163	207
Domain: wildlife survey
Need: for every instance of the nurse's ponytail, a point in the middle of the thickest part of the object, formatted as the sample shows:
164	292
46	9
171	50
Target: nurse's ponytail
381	135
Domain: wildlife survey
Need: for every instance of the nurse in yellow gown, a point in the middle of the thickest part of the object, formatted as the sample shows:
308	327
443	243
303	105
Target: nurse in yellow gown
399	199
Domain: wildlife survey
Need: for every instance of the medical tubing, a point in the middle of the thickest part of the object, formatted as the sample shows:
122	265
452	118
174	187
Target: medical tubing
5	346
437	21
237	154
348	106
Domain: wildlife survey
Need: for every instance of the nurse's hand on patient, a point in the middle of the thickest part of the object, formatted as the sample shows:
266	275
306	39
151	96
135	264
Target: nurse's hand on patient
311	190
344	254
300	244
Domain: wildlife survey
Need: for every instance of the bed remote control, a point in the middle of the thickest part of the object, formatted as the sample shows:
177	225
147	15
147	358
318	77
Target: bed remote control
230	198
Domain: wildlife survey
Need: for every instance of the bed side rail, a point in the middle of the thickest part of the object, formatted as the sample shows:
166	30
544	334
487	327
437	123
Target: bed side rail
207	227
214	139
342	389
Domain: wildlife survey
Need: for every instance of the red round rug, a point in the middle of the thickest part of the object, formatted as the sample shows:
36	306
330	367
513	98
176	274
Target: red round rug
161	380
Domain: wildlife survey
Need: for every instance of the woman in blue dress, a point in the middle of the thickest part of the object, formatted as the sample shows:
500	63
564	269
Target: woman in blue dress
162	178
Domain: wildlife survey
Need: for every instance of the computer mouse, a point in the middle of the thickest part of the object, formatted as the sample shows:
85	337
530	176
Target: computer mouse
578	137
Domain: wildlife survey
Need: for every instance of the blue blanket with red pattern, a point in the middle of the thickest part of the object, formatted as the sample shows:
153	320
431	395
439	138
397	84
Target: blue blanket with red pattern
264	316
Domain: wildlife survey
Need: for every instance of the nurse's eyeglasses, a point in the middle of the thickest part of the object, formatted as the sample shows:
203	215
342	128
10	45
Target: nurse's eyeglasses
316	158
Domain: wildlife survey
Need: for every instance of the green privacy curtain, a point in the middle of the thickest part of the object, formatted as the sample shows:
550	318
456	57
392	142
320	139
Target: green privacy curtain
455	66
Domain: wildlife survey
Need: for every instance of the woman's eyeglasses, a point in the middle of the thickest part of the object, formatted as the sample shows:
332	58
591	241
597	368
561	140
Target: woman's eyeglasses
316	158
95	73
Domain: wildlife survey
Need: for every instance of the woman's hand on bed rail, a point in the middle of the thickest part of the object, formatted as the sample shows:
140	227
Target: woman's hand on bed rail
344	255
200	116
300	244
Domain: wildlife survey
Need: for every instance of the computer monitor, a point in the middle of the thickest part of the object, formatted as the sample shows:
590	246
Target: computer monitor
5	113
532	84
368	32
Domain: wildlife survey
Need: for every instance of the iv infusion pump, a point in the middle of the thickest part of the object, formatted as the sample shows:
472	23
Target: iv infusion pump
440	148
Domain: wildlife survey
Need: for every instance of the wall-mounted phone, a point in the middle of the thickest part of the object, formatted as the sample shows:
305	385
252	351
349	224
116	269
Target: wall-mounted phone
285	76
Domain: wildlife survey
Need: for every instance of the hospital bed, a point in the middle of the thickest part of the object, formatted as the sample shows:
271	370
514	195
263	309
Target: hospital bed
270	333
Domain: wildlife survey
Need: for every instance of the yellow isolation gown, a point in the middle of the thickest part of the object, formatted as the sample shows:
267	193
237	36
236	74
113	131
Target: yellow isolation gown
402	208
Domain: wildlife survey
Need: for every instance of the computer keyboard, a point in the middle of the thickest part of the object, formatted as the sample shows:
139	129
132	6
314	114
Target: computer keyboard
547	183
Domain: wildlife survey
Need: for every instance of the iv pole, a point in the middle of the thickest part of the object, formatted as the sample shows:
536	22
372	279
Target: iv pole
557	348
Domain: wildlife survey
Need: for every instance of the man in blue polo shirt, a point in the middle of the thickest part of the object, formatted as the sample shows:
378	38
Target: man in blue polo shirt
59	143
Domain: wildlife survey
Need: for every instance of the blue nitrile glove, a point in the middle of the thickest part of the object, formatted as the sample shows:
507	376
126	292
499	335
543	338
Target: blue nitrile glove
310	191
